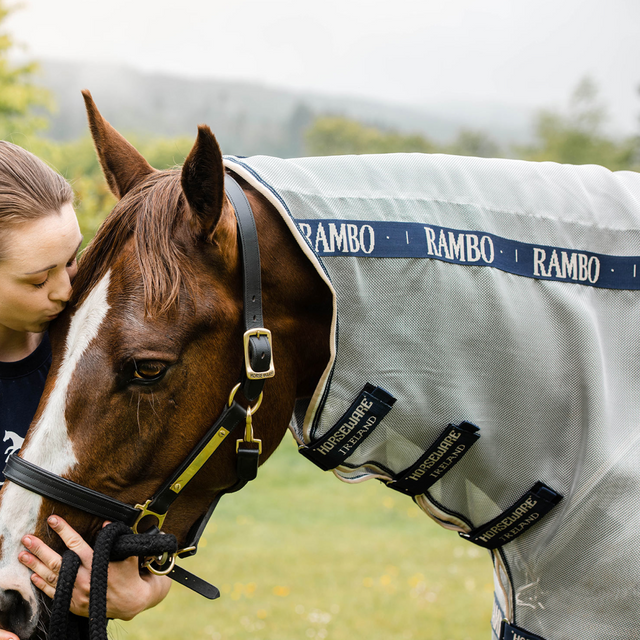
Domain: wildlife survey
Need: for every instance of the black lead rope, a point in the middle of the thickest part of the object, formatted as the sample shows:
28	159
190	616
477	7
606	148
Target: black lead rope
115	542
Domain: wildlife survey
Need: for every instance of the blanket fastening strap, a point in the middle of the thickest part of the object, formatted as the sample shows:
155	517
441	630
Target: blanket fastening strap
358	423
511	632
517	519
450	447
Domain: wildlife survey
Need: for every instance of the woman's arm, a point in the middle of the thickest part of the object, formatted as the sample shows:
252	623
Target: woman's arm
128	590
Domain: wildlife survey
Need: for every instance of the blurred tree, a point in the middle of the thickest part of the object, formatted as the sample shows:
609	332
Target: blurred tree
336	135
300	120
473	143
23	105
577	136
78	163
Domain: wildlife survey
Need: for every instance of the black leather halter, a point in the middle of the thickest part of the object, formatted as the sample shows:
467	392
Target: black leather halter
258	367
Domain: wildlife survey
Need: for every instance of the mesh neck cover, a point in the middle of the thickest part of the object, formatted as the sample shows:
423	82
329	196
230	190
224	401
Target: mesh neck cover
502	293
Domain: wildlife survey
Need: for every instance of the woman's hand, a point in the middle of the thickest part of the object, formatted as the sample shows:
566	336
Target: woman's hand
128	590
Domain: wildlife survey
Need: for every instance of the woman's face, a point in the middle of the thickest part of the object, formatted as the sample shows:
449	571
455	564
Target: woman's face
36	274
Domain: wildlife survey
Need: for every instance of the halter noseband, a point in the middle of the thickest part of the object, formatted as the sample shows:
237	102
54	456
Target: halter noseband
258	361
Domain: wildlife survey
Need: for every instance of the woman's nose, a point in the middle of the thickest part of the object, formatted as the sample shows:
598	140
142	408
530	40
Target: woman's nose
61	291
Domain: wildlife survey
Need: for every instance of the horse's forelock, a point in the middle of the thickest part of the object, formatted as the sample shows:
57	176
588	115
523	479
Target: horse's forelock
154	216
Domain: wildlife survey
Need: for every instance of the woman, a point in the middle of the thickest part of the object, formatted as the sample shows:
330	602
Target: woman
39	242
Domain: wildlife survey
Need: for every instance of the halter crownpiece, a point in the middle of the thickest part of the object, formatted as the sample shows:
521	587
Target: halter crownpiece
258	361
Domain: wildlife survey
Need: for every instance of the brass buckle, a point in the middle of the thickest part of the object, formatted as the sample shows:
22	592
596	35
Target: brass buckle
248	429
251	374
145	511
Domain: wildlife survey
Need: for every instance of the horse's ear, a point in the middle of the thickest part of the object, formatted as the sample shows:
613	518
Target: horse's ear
203	180
122	164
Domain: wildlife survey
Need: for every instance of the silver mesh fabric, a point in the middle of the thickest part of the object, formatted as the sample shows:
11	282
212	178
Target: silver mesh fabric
548	370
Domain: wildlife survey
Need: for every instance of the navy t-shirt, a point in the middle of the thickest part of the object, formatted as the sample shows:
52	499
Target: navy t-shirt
21	385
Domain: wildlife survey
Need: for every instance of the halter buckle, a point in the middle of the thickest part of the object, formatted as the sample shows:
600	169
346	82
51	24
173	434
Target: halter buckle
144	512
251	374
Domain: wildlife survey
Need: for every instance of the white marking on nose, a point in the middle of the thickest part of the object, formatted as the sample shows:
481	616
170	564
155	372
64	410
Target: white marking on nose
49	446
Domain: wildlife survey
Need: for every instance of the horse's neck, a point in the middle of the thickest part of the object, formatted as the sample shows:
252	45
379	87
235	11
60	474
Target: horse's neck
297	303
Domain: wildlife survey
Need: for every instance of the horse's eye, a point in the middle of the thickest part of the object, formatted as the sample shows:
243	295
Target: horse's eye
148	372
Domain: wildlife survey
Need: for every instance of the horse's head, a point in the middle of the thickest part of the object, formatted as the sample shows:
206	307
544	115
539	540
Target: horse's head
149	348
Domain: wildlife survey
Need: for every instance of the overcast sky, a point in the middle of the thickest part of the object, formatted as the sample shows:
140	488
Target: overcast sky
417	52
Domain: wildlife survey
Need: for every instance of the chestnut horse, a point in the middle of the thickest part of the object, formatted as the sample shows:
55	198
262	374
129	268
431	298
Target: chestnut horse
159	295
150	347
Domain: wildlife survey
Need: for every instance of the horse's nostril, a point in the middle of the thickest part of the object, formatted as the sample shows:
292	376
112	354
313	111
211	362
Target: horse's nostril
16	614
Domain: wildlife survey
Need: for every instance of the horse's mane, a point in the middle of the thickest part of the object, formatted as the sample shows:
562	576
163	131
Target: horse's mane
150	213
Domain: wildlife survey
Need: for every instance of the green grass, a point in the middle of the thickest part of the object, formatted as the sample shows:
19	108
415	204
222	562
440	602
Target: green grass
297	554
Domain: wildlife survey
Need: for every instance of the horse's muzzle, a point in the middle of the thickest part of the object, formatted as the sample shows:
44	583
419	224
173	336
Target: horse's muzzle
18	614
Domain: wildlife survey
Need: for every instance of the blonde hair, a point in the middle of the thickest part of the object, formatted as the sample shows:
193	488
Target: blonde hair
29	189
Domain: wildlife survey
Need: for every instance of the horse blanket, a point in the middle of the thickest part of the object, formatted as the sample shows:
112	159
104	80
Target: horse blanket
485	360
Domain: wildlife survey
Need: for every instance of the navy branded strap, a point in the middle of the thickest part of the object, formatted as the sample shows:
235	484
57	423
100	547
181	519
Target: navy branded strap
374	239
449	448
357	423
517	519
511	632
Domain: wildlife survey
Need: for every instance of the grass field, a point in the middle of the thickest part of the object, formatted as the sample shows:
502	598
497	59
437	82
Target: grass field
298	555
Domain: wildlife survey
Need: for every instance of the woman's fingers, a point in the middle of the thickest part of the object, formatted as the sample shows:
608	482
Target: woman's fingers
128	592
46	563
41	558
42	570
46	587
72	539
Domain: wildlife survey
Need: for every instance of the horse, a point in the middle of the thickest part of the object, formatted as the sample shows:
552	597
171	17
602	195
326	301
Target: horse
16	442
503	393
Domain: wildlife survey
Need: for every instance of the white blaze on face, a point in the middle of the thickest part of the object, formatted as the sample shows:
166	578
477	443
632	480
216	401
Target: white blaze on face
49	446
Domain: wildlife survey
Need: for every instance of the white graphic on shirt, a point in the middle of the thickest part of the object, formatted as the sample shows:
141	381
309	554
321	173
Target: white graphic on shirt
16	443
14	447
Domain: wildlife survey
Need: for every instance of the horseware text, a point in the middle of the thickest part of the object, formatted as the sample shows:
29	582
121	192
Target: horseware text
515	515
436	456
347	428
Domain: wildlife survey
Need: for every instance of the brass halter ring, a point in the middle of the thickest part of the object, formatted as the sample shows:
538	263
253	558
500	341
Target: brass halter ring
250	410
160	561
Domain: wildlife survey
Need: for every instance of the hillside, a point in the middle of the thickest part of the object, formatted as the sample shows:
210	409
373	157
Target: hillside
247	118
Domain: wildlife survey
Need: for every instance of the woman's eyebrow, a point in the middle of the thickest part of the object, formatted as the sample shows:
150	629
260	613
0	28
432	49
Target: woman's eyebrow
53	266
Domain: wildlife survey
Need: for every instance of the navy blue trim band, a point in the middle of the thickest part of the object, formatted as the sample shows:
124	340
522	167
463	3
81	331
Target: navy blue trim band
372	239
